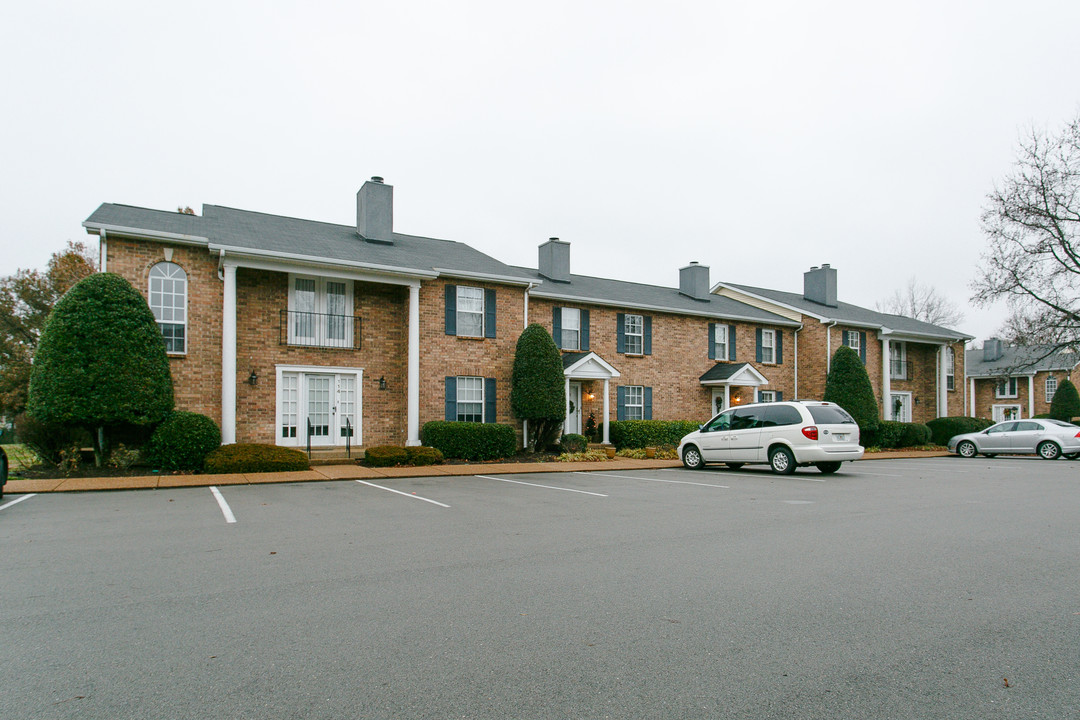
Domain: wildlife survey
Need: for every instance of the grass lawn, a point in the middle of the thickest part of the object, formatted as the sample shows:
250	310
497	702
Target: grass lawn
19	457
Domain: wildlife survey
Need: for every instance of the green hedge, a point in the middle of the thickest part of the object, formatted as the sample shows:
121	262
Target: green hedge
890	434
573	443
942	429
182	441
649	433
251	457
470	441
385	456
421	455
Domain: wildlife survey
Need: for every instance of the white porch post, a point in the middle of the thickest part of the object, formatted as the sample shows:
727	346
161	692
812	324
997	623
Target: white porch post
228	357
412	420
943	382
566	418
607	411
1031	396
727	396
886	386
973	397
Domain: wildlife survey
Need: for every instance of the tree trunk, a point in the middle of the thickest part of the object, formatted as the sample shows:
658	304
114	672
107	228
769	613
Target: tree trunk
99	446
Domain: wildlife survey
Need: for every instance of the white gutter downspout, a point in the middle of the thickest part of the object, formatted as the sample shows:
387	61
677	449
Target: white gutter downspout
796	335
828	347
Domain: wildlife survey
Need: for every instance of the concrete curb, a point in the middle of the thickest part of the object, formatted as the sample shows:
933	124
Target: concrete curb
323	473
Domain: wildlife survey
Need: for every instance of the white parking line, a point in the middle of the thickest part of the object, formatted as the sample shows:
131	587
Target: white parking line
229	517
17	500
634	477
549	487
414	496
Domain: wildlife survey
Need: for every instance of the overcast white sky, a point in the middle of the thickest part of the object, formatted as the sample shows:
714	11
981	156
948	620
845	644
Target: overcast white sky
757	138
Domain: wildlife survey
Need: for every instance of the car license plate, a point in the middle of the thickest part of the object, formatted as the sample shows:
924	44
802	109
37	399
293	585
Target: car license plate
840	437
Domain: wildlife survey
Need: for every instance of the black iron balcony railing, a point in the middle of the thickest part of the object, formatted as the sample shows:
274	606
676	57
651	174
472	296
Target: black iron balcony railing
319	330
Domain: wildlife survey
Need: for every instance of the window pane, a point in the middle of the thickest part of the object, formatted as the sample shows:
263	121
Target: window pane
632	328
470	399
168	302
470	311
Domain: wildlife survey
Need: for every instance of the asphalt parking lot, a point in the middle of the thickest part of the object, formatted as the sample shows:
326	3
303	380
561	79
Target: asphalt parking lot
893	589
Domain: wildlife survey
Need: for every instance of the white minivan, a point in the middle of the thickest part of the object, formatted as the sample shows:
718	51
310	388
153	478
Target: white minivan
785	435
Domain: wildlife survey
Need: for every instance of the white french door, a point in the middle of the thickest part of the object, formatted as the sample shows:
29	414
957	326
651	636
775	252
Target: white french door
319	405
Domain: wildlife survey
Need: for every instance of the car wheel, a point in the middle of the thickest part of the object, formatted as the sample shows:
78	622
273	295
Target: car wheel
1048	450
734	466
827	468
691	458
782	461
967	449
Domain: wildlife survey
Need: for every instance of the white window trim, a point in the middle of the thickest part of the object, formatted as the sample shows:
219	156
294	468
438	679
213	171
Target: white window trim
766	396
150	297
950	368
321	310
768	342
627	405
458	311
900	350
570	312
301	370
721	330
640	335
996	412
906	409
1046	387
457	396
1009	381
851	338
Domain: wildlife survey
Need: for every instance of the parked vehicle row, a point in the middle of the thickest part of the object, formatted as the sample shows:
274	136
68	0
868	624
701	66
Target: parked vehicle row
785	435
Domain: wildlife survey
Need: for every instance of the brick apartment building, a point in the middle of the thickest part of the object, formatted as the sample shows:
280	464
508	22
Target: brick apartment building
1008	382
284	329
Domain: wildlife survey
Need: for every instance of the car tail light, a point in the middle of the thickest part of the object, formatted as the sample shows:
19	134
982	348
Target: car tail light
1077	435
810	432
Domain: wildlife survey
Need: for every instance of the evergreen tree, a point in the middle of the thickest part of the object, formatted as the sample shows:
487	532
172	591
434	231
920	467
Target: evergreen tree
538	391
101	362
1065	405
848	386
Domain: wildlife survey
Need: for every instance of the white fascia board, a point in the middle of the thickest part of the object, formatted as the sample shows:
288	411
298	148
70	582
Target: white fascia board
504	279
903	335
778	304
592	357
329	267
119	230
658	308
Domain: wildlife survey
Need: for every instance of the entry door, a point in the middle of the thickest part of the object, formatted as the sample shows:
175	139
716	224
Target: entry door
1006	412
900	407
573	420
320	409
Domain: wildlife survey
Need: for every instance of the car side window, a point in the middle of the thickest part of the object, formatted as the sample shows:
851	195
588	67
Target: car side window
776	415
720	422
1028	426
746	418
1003	427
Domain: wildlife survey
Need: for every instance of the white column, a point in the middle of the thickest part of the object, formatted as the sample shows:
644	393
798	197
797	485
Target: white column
972	397
228	357
727	396
412	418
566	418
607	412
103	255
1031	396
943	383
886	385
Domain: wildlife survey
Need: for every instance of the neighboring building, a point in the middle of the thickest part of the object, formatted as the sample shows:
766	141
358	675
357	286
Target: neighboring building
1007	382
285	330
912	363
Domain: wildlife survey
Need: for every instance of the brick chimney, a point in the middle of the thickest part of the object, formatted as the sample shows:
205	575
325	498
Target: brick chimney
694	281
375	211
819	285
555	260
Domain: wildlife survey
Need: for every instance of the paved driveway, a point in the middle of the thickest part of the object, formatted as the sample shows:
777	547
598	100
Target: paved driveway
894	589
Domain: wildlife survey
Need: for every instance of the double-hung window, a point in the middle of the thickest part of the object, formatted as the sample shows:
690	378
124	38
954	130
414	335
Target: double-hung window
766	396
571	329
470	311
768	346
851	339
720	341
470	399
1051	387
898	361
1006	388
635	402
634	330
950	368
168	302
319	312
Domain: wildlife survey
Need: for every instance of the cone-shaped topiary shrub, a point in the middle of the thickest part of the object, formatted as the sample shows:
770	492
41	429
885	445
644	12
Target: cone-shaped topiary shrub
848	386
1065	405
537	390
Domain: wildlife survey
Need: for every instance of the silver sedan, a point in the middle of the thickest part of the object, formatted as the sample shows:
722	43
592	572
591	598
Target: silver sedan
1049	439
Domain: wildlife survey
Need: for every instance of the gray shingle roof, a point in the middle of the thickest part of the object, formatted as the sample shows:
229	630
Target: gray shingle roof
1026	360
279	235
721	371
852	314
632	295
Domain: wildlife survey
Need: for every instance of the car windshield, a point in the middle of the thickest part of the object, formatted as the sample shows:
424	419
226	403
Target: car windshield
830	415
1060	423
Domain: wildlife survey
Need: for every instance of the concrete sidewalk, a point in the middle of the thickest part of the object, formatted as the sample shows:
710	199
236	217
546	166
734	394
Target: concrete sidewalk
357	472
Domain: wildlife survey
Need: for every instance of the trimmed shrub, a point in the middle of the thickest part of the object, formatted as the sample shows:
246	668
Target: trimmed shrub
649	433
252	457
385	456
470	441
941	429
537	386
914	435
420	455
886	436
1065	405
48	441
849	386
182	441
573	443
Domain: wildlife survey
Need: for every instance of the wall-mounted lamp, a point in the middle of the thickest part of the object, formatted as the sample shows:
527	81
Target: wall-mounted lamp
916	401
253	379
590	396
382	383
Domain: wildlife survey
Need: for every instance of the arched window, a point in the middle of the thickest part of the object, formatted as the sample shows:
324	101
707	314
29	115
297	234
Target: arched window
168	301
